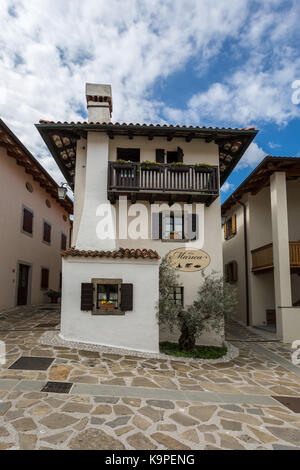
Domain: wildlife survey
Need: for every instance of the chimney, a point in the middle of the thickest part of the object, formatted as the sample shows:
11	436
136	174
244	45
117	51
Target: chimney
99	102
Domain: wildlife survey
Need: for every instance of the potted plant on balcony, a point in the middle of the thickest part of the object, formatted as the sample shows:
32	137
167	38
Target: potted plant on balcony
150	165
203	167
179	167
124	164
107	305
53	295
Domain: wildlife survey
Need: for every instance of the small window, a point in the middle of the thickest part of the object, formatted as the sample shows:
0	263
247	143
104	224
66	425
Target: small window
47	233
65	218
178	295
175	157
29	187
63	245
27	225
128	154
48	203
173	229
44	278
107	295
231	272
230	227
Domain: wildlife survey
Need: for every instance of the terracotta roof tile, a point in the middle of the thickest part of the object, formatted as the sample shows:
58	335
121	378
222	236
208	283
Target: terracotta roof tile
121	253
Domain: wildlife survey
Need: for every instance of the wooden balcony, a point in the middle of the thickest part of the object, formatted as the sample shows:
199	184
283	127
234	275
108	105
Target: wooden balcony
262	258
164	182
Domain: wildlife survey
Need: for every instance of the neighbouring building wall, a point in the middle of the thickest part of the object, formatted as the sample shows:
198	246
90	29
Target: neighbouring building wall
19	247
136	329
234	250
293	201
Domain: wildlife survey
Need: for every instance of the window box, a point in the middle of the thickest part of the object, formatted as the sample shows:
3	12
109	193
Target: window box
203	169
179	168
107	306
124	166
150	166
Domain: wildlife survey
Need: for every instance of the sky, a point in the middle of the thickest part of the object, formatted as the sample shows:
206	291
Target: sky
194	62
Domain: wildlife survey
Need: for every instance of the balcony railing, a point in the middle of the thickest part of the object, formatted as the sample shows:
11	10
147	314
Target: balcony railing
163	181
262	257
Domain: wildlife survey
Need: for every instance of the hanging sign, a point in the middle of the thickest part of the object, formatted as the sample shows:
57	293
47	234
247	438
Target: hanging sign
183	259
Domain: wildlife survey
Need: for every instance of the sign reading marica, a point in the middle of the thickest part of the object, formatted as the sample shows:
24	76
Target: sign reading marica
187	260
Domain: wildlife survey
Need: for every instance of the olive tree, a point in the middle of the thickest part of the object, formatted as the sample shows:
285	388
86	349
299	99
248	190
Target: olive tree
215	300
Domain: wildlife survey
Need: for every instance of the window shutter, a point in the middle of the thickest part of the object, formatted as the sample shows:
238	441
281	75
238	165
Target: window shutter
45	278
234	271
63	241
157	226
126	297
47	232
193	230
27	221
179	154
233	224
225	230
87	296
226	273
160	156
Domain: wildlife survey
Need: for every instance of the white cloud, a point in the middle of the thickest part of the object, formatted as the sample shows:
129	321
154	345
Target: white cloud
273	145
227	187
253	155
49	49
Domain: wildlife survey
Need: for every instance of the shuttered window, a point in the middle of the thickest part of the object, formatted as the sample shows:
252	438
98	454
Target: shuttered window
160	156
107	297
231	272
230	227
44	278
27	225
172	226
87	296
63	244
47	233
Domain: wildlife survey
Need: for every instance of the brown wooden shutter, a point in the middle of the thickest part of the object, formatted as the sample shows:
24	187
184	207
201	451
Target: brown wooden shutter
63	241
234	271
179	155
226	273
87	296
160	156
157	226
27	220
126	297
225	230
233	225
47	233
45	278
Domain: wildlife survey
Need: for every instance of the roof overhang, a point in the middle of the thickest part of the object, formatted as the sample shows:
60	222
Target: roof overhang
61	139
260	177
24	158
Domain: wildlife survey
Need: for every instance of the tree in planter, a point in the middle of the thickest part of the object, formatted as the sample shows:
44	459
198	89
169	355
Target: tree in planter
215	301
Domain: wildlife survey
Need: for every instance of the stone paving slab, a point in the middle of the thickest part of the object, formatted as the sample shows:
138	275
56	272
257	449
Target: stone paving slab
6	384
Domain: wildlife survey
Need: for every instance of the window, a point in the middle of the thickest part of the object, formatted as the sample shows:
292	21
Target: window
175	157
107	297
63	244
173	227
44	278
231	272
60	281
47	233
27	224
29	187
130	154
160	156
178	295
230	227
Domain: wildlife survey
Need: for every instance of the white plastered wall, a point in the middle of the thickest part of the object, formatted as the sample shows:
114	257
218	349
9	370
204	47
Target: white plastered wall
137	329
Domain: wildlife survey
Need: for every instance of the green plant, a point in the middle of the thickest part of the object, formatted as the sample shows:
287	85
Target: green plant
202	164
176	163
215	300
202	352
53	294
148	162
123	161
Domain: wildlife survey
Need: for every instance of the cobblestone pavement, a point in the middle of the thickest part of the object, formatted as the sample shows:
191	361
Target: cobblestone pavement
124	402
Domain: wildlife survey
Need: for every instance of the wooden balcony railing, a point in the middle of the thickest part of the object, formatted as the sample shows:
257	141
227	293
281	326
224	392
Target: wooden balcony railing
262	257
162	182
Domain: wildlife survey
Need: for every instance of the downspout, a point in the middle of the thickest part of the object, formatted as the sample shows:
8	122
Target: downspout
246	259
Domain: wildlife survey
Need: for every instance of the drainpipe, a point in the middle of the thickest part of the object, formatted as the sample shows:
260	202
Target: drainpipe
246	259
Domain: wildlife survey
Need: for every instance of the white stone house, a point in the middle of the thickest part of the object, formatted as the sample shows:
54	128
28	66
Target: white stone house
105	163
261	246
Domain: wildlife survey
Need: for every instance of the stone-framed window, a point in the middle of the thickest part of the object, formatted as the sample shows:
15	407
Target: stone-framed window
106	296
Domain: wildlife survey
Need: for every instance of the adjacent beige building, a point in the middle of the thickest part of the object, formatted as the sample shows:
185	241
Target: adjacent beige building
34	226
261	246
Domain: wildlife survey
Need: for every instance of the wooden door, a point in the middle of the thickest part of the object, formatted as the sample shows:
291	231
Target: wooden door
23	284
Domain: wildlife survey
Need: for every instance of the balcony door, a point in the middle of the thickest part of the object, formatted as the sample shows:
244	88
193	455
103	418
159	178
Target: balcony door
23	284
